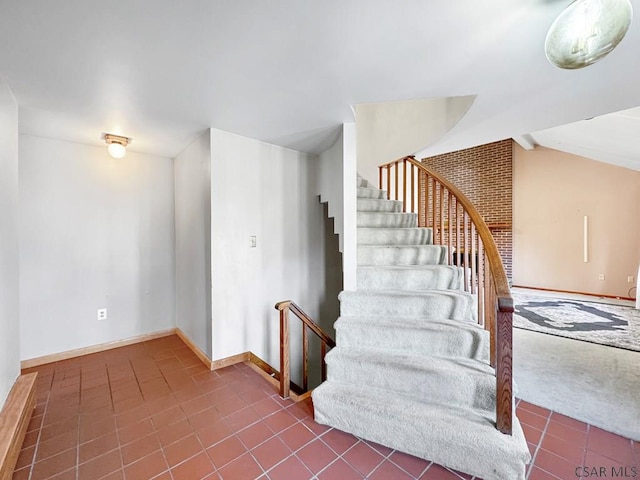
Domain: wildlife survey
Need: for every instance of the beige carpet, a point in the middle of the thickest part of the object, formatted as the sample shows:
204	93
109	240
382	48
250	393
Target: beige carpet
593	383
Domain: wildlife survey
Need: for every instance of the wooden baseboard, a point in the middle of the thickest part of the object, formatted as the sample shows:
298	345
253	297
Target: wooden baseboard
195	349
14	420
79	352
232	360
265	370
542	289
272	375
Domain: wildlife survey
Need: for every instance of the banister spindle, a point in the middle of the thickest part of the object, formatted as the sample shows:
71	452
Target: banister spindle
473	258
458	235
380	177
413	198
404	185
434	204
389	182
492	324
397	170
450	228
488	305
481	291
465	250
441	227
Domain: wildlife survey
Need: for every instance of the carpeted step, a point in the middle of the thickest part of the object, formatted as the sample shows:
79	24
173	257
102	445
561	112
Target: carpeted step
402	255
439	338
379	205
410	277
362	182
394	236
428	304
462	439
456	382
387	219
369	192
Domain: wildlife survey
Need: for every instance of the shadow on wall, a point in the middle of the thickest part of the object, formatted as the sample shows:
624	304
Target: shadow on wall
329	309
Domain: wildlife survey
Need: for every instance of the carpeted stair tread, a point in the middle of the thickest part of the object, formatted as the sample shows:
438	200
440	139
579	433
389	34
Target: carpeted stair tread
387	219
462	382
462	439
379	205
436	337
362	182
368	192
394	236
402	255
436	304
409	277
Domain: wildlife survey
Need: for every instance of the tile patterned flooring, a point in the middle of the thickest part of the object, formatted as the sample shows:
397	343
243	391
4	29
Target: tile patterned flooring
152	410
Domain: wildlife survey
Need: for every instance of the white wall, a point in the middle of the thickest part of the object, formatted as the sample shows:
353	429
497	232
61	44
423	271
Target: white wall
350	188
391	130
192	170
95	232
267	191
9	243
337	186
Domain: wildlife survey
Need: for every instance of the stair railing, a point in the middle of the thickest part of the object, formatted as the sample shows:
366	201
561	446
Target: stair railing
285	351
456	223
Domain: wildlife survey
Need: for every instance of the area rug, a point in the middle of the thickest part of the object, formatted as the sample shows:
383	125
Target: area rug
603	323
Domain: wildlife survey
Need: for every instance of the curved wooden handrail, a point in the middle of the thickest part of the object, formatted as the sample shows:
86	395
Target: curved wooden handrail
284	308
495	303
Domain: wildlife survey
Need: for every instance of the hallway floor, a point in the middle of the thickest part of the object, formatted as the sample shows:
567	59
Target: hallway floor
152	410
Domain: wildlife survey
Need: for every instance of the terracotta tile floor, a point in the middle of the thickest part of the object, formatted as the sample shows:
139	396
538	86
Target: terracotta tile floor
152	410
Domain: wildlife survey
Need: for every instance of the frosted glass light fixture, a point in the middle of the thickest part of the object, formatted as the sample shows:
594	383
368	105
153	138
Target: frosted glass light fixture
116	145
586	31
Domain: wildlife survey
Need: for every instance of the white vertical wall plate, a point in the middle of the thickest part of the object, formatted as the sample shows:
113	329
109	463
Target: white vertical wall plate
637	296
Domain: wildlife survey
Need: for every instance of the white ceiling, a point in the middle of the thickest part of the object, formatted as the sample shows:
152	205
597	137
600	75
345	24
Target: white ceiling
288	71
611	138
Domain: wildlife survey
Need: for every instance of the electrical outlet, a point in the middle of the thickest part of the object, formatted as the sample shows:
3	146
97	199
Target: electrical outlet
102	314
252	241
630	279
601	276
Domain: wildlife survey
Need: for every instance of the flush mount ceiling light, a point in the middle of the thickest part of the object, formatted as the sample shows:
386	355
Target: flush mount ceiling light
116	145
586	31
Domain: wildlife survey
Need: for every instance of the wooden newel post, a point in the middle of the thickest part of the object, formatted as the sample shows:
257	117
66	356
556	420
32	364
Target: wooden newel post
285	373
504	372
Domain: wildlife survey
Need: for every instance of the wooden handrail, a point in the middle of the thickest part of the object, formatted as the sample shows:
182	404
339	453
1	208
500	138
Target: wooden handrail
284	308
476	251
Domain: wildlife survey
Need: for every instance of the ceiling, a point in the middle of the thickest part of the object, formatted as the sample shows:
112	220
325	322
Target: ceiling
611	138
289	71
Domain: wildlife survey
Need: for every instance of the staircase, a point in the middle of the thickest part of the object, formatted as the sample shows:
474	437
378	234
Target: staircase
410	369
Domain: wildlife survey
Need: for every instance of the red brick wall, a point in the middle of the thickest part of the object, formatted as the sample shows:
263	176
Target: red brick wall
485	176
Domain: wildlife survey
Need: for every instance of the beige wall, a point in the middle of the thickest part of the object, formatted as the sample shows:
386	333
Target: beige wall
552	192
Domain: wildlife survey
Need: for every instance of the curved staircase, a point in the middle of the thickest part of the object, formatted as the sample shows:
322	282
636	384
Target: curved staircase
410	369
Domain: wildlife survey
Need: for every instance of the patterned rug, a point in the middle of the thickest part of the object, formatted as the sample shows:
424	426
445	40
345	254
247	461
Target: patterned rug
613	325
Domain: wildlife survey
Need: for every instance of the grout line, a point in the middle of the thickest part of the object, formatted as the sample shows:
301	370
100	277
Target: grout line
538	446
